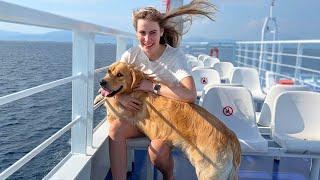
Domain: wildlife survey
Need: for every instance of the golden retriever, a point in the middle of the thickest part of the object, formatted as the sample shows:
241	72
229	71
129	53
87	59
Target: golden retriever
210	146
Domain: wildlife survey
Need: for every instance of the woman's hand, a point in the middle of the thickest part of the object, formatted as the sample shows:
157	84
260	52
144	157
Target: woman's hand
145	85
129	102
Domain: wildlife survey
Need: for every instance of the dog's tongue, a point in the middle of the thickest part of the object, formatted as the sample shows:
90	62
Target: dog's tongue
104	92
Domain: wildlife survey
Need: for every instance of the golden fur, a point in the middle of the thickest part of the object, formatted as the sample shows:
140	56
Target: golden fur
211	147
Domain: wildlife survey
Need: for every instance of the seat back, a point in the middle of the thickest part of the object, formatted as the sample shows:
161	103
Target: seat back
201	57
247	77
224	69
268	105
203	76
194	63
210	61
296	112
270	78
190	56
234	107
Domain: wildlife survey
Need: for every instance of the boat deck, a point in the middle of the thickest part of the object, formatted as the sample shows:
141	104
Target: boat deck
252	167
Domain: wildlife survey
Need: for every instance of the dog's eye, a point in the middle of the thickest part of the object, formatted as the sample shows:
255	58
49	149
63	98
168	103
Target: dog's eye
119	75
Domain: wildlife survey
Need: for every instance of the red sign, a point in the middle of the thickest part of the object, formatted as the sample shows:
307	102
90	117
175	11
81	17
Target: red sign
228	111
204	80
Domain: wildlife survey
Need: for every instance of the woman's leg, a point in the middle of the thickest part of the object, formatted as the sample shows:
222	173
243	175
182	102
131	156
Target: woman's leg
161	158
119	131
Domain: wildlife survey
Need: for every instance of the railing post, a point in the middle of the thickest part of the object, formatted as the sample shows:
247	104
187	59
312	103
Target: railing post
279	58
234	46
239	55
261	57
82	91
91	69
272	56
245	60
254	55
298	62
121	47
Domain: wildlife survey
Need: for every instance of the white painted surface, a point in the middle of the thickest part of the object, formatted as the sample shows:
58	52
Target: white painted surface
241	120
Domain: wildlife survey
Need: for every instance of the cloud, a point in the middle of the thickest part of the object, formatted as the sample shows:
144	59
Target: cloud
73	2
255	23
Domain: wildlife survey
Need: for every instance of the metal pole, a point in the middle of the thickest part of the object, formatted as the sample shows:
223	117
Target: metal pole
82	91
174	4
279	58
121	47
297	73
254	55
245	60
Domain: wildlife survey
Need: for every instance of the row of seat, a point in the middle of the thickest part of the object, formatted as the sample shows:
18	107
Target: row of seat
292	116
201	61
288	111
210	77
247	77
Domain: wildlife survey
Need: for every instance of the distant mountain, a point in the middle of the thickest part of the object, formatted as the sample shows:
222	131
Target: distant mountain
57	36
202	39
66	36
7	35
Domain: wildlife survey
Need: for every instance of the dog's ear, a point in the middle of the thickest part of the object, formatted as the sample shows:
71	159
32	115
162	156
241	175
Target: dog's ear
137	76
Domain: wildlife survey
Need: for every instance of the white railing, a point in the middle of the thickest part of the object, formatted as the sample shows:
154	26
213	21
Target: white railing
274	58
226	50
82	74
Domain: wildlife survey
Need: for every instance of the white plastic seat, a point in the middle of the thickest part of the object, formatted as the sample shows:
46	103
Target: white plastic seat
270	78
221	100
296	125
224	69
201	57
194	63
190	56
203	76
265	117
197	68
249	78
210	61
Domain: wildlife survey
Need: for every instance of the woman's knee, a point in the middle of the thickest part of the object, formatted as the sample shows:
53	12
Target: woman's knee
159	152
116	130
120	130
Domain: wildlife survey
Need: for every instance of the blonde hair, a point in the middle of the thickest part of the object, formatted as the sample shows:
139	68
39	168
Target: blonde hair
171	35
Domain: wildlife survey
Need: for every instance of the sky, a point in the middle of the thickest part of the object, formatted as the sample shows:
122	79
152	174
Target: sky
235	19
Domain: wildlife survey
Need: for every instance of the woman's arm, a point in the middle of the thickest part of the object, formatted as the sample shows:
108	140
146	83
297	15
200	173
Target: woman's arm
185	91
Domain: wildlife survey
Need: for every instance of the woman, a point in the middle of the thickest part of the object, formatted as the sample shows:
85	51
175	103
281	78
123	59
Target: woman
158	57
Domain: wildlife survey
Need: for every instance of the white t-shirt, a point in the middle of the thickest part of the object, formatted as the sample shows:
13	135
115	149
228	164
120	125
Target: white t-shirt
169	69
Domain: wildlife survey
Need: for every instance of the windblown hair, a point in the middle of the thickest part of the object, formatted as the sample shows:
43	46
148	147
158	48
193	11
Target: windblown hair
168	20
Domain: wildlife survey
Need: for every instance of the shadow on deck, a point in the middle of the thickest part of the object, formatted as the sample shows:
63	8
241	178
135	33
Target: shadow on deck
252	167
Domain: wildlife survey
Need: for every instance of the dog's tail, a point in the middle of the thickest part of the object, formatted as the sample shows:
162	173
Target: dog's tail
236	149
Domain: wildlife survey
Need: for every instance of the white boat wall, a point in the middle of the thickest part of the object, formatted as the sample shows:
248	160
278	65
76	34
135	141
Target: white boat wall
88	158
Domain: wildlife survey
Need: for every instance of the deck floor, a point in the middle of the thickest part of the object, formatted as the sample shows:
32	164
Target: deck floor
252	167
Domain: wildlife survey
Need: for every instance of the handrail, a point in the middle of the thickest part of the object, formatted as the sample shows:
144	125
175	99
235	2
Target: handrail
22	15
82	68
278	74
26	158
101	69
311	41
96	106
28	92
273	61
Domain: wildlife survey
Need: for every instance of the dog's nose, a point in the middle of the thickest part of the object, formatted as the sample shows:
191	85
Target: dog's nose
103	82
